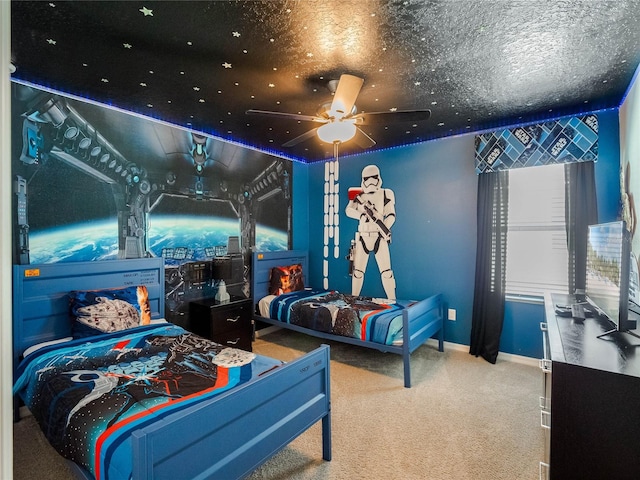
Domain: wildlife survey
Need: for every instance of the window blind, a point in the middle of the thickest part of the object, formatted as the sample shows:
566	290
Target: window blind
537	256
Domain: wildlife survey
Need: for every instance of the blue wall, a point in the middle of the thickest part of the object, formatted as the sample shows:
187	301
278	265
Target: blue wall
434	238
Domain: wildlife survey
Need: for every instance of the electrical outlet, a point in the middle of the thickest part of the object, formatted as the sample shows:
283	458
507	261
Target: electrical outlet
452	314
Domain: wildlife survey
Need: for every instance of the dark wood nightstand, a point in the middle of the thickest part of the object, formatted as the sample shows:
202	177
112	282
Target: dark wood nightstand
229	324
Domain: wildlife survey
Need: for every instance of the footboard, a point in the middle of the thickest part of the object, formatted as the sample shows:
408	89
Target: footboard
233	434
422	320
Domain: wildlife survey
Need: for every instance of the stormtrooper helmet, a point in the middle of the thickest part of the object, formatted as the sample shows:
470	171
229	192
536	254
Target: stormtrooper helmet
371	180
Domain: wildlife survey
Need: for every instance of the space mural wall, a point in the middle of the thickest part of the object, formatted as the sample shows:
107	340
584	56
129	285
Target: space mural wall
94	183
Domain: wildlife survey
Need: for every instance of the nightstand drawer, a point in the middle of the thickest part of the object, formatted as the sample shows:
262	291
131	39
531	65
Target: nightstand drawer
235	339
230	317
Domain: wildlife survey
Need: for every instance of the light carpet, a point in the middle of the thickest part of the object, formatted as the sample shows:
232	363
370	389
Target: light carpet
462	419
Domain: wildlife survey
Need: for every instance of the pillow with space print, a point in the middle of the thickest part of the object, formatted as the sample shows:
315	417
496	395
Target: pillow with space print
285	279
110	310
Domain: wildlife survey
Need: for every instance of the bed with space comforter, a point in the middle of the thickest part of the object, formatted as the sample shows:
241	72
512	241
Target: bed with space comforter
90	394
121	393
374	320
282	299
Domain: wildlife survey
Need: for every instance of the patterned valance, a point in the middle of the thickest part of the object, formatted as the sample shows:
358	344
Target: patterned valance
571	139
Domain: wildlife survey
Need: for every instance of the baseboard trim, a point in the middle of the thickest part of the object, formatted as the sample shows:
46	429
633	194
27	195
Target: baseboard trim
509	357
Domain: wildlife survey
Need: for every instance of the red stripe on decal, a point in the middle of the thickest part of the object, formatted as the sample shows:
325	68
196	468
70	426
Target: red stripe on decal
121	345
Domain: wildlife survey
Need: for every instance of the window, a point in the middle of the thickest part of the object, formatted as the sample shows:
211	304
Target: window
537	256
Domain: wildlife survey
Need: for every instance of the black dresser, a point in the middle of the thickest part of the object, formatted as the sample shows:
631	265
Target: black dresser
230	324
591	405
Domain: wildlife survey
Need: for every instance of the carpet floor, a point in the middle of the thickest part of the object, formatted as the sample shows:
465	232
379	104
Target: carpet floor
463	419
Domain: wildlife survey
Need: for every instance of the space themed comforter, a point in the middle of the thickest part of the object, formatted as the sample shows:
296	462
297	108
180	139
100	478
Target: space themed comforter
365	318
88	395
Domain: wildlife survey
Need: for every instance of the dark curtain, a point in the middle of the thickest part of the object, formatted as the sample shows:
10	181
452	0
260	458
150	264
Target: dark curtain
581	210
489	293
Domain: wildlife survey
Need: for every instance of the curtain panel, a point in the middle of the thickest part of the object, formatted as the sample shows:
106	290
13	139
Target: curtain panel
489	292
581	210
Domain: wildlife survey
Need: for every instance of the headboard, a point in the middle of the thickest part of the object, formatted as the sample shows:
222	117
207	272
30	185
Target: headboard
263	262
41	304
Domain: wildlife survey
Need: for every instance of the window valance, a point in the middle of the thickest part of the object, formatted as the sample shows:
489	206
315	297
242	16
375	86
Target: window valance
566	140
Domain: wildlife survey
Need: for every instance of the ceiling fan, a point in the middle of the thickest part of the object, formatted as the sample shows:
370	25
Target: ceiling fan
339	118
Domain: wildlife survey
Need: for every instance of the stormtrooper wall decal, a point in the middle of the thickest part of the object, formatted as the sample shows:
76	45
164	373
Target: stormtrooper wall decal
374	208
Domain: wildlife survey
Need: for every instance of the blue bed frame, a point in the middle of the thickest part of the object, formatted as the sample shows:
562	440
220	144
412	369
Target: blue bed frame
226	437
422	320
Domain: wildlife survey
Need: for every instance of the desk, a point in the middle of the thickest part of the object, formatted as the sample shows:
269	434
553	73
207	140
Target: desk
594	399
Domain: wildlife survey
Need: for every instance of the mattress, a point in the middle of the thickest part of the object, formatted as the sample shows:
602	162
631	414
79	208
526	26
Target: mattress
89	394
369	319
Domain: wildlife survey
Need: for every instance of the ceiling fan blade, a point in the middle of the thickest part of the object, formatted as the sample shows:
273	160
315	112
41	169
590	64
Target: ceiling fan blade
363	140
301	138
346	94
287	116
373	118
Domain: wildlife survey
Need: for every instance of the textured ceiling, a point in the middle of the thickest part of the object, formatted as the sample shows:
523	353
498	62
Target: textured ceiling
475	64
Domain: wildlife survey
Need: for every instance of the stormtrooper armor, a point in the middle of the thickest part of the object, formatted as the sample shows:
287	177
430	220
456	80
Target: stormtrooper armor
374	208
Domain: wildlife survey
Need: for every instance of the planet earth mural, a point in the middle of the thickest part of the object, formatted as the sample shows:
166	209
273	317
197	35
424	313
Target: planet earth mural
98	240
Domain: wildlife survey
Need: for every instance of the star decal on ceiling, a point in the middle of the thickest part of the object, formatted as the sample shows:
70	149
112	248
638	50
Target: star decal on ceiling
373	65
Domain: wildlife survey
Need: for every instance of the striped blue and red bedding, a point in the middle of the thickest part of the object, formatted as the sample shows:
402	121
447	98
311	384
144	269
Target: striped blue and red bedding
368	319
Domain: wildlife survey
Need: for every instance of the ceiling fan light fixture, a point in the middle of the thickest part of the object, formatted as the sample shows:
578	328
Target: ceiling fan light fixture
337	132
